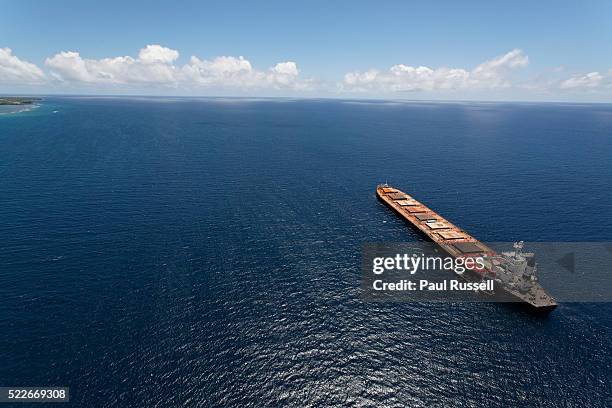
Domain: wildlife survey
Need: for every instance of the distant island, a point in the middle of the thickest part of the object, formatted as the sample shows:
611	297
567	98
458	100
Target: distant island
17	100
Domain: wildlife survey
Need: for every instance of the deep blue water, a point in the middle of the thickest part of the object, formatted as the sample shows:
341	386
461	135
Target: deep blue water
159	252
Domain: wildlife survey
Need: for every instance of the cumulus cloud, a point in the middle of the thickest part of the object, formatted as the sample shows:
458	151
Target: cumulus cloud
590	80
490	74
157	67
155	64
238	72
286	68
157	53
16	71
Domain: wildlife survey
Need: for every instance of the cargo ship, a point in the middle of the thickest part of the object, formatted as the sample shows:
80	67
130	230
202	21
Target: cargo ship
513	272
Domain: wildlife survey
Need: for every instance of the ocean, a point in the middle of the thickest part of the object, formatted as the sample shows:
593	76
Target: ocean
160	252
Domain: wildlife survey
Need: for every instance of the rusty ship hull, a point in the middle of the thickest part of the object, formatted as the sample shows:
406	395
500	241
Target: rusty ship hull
458	243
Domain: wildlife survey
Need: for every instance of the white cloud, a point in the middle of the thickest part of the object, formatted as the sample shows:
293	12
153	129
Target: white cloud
286	68
490	74
16	71
238	73
590	80
157	53
156	65
230	71
155	69
153	65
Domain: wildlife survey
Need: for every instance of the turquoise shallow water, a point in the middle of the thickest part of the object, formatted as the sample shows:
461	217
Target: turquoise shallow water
160	252
16	109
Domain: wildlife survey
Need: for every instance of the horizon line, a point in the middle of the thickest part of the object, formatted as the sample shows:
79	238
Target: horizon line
312	98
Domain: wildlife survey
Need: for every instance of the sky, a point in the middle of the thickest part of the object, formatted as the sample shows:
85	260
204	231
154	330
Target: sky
447	50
